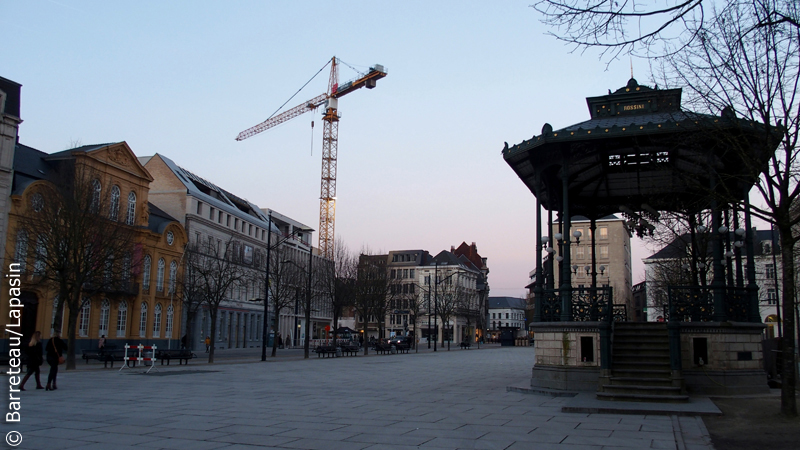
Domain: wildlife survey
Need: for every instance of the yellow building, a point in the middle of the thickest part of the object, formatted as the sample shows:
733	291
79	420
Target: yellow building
143	307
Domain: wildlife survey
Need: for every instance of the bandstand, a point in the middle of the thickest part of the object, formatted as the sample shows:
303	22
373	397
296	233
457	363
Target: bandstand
641	154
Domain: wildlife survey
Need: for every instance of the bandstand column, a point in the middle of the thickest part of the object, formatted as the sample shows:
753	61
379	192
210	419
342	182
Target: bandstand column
752	287
718	281
537	287
566	274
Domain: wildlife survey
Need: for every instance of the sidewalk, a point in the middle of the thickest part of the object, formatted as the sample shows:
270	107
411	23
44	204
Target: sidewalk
434	401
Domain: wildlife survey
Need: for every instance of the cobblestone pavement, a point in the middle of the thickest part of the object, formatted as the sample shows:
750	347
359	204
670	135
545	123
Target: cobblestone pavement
443	400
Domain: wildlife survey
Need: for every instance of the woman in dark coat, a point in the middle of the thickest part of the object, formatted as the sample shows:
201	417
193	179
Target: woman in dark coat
55	348
34	352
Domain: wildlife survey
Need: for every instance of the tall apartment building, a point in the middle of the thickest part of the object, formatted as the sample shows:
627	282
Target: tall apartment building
214	217
612	256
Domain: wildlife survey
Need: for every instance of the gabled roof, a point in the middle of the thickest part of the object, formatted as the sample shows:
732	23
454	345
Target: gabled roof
83	148
507	303
215	196
678	247
158	219
29	166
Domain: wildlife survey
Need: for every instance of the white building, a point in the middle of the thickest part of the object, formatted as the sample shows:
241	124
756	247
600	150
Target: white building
504	313
213	216
768	274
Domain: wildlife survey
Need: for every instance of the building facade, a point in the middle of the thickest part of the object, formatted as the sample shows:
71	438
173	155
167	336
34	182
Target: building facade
138	307
506	313
9	128
612	256
214	217
671	262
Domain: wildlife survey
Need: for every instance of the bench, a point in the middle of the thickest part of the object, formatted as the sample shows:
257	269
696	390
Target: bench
350	349
180	355
106	356
402	348
466	345
382	347
325	350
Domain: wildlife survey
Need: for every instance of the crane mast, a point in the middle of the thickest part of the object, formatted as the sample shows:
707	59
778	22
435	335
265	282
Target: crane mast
330	143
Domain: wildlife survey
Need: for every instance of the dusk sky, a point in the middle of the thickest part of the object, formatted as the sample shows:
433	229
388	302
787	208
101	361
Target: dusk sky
419	164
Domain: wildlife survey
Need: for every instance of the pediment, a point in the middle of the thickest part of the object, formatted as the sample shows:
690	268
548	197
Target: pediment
121	156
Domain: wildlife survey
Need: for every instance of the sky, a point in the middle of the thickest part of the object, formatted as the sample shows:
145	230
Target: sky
419	156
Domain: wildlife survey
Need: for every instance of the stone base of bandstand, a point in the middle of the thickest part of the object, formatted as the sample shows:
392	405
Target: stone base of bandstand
561	362
735	364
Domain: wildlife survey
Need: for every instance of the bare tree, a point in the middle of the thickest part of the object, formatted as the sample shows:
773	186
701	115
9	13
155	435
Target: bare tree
371	291
283	288
78	247
216	271
336	281
449	298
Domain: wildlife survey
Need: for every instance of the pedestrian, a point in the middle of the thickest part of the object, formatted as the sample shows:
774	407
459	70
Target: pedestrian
288	341
101	343
280	341
34	352
183	342
208	343
55	355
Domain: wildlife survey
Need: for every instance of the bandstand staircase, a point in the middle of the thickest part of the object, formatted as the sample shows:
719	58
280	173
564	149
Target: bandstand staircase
640	365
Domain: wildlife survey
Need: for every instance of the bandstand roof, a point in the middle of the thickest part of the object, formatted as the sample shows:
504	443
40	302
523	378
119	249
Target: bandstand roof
639	147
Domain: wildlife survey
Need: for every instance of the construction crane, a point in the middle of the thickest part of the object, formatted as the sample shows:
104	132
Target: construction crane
330	139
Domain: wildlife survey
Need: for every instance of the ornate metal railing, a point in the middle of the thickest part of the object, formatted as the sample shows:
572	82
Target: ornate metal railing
696	303
586	305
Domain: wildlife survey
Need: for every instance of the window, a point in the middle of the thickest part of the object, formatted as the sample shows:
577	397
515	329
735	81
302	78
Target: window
603	251
126	268
199	208
228	220
21	250
96	188
392	274
122	318
170	314
113	212
37	202
210	213
411	273
405	273
131	219
83	321
157	321
143	321
506	315
109	268
769	271
580	253
772	296
39	263
105	308
146	273
173	275
160	275
602	233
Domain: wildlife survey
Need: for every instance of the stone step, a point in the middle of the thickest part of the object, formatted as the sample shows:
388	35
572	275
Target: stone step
641	390
643	398
641	381
640	326
655	346
647	365
636	336
641	373
645	357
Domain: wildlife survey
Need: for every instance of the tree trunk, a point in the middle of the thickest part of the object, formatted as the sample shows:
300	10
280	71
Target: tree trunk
213	316
73	319
277	315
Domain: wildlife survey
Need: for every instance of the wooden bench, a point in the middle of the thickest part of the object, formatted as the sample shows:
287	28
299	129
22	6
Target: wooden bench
466	345
106	356
325	350
181	355
350	349
382	347
402	347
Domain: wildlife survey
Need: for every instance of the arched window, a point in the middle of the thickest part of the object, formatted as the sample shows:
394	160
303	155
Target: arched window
170	314
83	322
37	202
105	308
40	263
157	321
126	267
146	272
21	250
143	321
96	188
131	209
122	318
160	275
113	212
173	275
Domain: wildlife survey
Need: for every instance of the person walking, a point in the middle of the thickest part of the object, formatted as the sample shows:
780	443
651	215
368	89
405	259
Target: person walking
101	343
208	343
55	355
34	352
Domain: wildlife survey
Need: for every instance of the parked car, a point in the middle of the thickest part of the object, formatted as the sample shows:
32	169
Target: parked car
402	340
